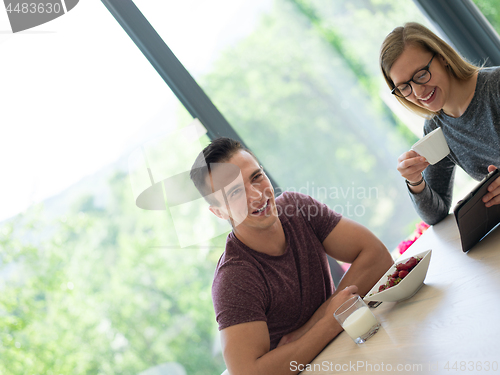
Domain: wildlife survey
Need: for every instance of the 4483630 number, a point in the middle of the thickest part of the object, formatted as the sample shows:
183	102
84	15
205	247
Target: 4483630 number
34	8
472	366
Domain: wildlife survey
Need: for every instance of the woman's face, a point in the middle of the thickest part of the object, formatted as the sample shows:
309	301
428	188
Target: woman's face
432	95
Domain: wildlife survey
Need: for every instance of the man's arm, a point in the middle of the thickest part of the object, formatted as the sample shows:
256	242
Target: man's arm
246	346
353	243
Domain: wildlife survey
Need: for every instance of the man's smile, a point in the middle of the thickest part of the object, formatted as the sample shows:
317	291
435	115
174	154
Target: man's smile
261	209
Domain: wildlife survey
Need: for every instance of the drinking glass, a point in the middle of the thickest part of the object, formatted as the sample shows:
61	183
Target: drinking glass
357	319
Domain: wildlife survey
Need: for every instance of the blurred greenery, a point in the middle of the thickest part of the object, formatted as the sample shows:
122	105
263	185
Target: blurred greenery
491	11
303	90
98	292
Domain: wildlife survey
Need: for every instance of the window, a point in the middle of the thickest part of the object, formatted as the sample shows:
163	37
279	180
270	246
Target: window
299	81
89	283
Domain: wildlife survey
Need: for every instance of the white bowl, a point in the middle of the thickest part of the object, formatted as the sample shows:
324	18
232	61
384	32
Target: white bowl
407	287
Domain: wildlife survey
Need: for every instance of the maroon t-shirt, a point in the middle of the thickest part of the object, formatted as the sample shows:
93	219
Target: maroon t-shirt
283	290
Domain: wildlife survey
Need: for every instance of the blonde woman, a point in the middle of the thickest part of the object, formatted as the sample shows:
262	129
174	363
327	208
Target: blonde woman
431	79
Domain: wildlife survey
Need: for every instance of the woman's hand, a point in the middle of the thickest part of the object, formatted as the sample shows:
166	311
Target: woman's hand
493	196
411	165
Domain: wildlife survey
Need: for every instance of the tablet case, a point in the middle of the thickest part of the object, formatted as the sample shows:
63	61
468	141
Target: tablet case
474	219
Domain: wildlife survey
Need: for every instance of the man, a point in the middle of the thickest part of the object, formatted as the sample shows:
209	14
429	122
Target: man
272	289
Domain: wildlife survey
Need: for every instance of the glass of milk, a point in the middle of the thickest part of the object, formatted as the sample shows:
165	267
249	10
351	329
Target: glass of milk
357	319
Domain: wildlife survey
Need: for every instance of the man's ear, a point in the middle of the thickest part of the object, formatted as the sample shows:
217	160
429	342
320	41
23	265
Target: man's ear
218	212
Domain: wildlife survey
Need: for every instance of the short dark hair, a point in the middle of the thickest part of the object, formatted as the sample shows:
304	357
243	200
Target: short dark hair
220	150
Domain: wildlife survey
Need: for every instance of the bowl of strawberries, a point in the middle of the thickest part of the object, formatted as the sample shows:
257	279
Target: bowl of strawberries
402	280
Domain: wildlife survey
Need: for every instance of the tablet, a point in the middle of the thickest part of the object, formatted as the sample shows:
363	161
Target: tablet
474	219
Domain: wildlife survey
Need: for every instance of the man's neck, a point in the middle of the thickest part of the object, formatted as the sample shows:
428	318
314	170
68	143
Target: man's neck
270	241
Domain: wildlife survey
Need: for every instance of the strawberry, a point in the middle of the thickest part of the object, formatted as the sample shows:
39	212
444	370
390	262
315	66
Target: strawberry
412	262
402	267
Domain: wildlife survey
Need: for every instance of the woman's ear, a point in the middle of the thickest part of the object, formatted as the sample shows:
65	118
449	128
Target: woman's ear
443	61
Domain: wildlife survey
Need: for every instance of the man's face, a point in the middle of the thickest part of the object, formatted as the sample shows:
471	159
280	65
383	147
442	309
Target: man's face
246	199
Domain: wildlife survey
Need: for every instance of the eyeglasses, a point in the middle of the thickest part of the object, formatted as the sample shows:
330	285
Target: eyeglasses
421	77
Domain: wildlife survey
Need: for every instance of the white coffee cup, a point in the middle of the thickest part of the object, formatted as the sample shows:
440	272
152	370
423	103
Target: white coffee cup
433	146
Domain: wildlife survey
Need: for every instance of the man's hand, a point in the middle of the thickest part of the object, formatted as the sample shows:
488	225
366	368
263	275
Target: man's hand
352	243
246	346
292	336
493	196
341	296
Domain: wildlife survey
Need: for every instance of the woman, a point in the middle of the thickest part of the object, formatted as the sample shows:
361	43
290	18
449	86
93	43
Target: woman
430	78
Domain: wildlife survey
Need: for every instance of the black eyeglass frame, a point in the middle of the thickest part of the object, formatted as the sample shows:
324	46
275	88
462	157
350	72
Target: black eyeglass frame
395	90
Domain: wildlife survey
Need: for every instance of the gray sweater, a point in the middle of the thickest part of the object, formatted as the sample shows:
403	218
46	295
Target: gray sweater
474	142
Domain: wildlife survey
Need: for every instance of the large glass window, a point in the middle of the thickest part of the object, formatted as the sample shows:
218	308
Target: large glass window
90	283
300	83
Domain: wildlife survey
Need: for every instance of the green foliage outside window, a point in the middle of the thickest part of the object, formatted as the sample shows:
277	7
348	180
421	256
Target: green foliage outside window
99	291
101	287
491	11
303	95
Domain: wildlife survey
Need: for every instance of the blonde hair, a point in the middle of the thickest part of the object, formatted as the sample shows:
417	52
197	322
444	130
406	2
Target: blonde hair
413	33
